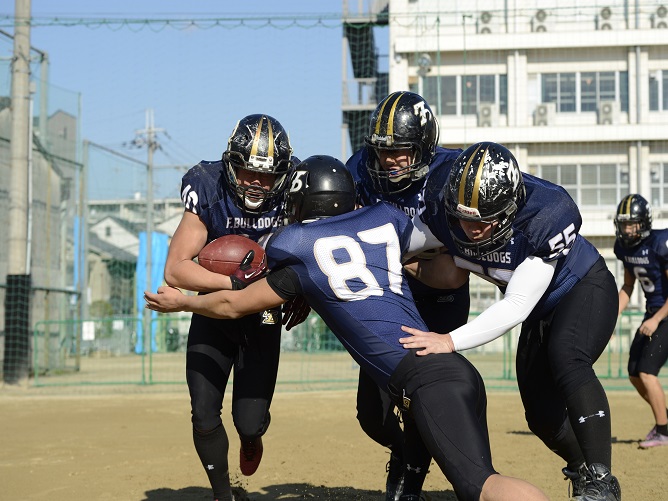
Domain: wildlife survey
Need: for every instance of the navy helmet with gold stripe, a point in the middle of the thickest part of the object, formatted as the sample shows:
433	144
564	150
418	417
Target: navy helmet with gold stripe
258	144
485	185
401	121
633	220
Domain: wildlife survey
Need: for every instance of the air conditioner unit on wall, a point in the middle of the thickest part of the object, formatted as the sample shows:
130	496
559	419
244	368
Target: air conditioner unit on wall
604	19
544	114
660	18
608	112
484	22
538	21
488	115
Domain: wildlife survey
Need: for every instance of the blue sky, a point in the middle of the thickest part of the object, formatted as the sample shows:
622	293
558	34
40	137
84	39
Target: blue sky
198	81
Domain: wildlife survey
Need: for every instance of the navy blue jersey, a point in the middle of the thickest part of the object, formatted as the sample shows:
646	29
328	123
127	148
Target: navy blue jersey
408	200
349	270
648	262
546	226
205	192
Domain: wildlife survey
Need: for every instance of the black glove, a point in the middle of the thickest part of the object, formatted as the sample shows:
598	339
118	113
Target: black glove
247	273
295	311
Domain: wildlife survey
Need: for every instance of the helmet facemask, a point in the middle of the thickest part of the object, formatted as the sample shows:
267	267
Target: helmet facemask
259	148
398	179
255	198
501	231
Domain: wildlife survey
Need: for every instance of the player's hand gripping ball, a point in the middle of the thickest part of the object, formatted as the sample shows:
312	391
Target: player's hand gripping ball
239	257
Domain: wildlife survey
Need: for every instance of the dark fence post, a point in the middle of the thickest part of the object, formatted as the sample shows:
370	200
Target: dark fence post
16	362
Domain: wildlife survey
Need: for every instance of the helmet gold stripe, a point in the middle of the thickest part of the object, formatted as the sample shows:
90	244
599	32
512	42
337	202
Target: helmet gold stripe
390	119
462	181
258	136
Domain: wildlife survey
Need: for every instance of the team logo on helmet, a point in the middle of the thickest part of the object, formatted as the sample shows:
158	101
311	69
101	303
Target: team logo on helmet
322	187
485	185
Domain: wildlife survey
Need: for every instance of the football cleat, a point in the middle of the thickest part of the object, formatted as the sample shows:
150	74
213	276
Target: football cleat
651	433
250	456
600	485
655	439
577	478
394	485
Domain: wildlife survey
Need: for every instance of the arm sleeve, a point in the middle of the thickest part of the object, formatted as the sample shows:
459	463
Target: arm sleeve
422	239
284	282
527	285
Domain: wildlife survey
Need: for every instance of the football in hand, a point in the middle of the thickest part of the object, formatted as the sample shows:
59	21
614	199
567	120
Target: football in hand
224	254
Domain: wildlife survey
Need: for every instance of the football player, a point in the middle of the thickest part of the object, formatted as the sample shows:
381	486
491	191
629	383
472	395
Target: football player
521	233
243	193
348	265
644	253
400	150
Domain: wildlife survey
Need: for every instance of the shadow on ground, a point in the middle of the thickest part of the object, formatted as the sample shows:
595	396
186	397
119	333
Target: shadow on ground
283	491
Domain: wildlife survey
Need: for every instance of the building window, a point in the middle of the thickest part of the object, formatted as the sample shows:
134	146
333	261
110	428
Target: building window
659	178
624	91
503	94
448	98
599	185
563	175
590	185
469	95
561	88
107	231
471	89
658	90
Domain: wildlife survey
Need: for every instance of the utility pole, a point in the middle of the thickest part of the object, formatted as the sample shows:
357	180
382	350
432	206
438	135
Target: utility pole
146	137
17	309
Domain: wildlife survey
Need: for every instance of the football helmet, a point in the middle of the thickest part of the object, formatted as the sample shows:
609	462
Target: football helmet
633	209
321	186
258	144
485	185
402	121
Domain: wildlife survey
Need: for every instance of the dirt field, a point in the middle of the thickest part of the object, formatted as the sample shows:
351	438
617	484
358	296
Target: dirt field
137	447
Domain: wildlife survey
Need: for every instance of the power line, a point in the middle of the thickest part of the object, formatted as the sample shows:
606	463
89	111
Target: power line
187	21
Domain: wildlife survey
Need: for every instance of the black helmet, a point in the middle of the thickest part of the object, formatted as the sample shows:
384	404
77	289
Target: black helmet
259	144
633	209
321	187
403	120
485	184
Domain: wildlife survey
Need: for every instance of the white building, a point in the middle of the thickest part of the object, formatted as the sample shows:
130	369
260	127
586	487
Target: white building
577	90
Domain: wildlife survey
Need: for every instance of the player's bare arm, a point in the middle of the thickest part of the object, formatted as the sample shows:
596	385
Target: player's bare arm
180	269
626	290
224	304
439	271
649	326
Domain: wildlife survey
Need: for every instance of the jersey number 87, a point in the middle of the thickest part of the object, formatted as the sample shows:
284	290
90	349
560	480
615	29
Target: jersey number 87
339	274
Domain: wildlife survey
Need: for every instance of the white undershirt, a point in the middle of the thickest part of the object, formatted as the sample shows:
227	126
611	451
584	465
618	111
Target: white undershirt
529	282
422	239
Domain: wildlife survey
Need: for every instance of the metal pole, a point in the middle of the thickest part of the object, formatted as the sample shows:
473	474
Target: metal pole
83	251
150	133
152	145
20	141
16	363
